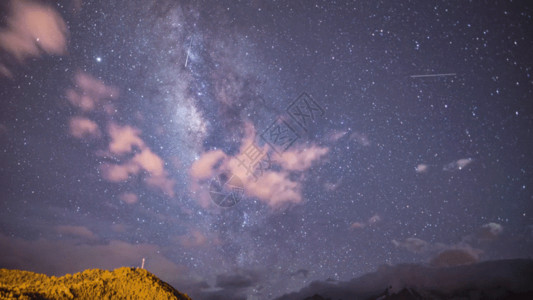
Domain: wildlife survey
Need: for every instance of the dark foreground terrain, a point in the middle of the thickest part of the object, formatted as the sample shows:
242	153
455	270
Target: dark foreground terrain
501	279
132	283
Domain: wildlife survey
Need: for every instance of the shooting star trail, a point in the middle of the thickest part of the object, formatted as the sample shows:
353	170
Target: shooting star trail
433	75
188	50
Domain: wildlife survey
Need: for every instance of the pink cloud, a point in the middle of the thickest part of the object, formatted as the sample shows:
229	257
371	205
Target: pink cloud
458	164
118	172
119	228
129	198
33	28
301	159
124	138
154	165
357	225
371	221
146	160
81	127
204	167
89	92
276	188
193	239
463	162
149	162
421	168
5	71
456	256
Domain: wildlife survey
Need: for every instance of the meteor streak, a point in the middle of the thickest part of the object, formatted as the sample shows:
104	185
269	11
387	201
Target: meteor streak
432	75
188	50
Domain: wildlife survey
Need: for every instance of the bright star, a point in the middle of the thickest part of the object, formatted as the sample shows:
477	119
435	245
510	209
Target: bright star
98	59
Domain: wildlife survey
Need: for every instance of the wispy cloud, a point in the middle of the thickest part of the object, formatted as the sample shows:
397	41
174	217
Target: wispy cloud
458	164
455	165
361	138
193	239
76	231
421	168
89	92
81	127
371	221
357	225
336	135
129	198
332	186
412	244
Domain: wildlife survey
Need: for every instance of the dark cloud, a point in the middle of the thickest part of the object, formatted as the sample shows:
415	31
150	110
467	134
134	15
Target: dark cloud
456	257
222	294
241	280
236	286
300	272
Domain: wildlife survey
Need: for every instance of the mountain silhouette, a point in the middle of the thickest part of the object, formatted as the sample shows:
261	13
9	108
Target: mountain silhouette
500	279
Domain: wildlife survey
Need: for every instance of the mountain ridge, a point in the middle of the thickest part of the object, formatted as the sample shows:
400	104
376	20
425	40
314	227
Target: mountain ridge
498	279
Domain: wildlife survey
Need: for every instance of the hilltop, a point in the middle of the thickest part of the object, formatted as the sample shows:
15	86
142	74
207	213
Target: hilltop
89	284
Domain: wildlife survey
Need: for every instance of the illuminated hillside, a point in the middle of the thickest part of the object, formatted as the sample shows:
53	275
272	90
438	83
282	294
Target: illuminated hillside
89	284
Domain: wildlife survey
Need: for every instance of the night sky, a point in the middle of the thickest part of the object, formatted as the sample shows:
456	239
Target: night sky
355	134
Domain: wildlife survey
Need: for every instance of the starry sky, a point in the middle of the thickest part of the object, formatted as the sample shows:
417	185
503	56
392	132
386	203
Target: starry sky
362	133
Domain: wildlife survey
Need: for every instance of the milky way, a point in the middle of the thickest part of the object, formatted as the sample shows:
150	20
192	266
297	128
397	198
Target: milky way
407	134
